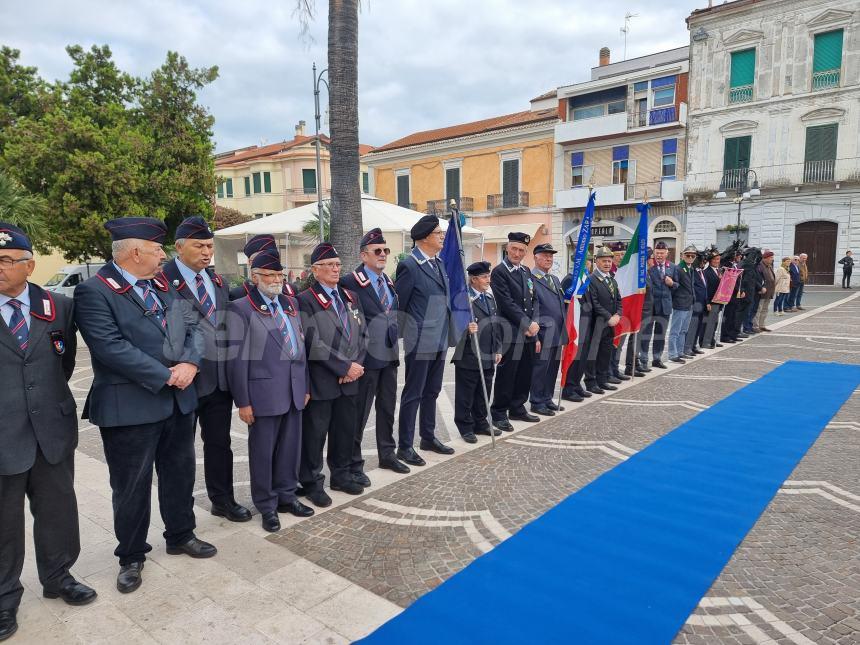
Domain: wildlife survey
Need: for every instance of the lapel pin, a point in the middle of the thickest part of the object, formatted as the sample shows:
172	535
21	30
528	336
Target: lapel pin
263	308
176	284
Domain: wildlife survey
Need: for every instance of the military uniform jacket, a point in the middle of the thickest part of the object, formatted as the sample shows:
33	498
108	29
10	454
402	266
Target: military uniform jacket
237	293
604	298
684	295
514	291
261	370
37	404
212	375
490	338
662	293
330	348
550	294
382	331
424	304
712	278
131	351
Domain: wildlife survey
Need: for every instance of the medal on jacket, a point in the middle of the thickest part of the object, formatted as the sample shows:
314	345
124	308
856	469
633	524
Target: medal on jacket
58	342
531	285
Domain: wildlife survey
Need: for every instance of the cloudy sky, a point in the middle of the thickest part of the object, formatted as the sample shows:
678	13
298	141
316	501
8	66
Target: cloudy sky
422	63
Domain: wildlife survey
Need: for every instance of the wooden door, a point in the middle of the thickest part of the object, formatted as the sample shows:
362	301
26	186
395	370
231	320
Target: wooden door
818	240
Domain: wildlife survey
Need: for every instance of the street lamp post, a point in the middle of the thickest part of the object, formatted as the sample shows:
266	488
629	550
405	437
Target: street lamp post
742	182
317	80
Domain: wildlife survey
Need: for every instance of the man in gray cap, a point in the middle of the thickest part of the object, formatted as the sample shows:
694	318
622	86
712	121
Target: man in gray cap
552	334
682	306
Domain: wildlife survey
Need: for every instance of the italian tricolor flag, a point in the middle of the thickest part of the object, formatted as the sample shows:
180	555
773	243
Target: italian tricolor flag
631	276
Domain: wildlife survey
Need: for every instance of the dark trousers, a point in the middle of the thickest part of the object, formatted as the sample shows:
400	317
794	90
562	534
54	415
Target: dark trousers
513	381
599	370
544	375
380	387
470	408
632	349
709	329
336	419
131	452
576	371
656	328
729	330
423	382
695	330
632	352
215	414
846	278
274	451
794	297
741	314
752	310
50	489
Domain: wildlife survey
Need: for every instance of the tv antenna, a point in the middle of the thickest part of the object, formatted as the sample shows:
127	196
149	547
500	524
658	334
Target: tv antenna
626	29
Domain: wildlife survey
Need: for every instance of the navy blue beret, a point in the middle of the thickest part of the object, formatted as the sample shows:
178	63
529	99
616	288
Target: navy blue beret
12	237
523	238
137	228
270	260
424	226
259	243
478	268
323	251
194	228
373	236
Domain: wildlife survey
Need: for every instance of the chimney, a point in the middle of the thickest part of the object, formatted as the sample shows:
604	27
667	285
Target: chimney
300	129
604	56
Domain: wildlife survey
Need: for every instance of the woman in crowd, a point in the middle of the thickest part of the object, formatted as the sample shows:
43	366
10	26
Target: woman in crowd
782	285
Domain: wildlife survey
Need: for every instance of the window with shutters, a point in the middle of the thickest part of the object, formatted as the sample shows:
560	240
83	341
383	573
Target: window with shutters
452	185
229	187
309	181
257	183
820	155
220	190
736	161
742	78
403	190
247	186
267	182
510	183
827	60
365	182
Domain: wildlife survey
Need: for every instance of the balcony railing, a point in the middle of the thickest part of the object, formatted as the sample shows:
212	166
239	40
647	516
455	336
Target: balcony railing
734	178
654	116
817	172
741	94
440	206
508	200
825	79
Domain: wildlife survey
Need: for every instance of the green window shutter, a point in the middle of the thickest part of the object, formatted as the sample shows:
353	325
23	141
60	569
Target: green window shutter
737	153
257	188
828	51
452	184
365	182
511	177
743	68
229	188
403	191
221	189
267	182
309	180
821	142
247	186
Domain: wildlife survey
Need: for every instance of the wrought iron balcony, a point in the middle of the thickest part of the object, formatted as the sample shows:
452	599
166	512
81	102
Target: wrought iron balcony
508	200
654	116
817	172
741	94
440	206
825	79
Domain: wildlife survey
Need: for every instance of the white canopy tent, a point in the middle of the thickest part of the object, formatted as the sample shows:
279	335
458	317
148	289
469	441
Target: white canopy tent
394	221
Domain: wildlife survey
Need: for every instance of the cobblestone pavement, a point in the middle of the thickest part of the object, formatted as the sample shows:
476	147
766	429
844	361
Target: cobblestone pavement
336	576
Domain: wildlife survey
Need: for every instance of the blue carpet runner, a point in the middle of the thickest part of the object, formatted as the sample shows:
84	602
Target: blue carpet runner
627	558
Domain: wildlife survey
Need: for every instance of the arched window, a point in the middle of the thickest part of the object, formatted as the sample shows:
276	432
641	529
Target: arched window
665	227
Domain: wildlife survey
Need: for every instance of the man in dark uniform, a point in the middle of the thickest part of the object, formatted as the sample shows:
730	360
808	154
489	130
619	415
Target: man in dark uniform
573	389
661	278
268	377
605	298
257	244
514	289
683	297
697	322
552	334
425	314
38	433
713	274
206	294
378	299
146	349
335	341
730	330
470	406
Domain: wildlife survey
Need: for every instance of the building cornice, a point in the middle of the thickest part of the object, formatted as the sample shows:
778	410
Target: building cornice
757	106
679	67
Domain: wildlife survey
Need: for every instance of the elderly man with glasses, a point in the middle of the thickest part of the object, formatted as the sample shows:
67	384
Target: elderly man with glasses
683	299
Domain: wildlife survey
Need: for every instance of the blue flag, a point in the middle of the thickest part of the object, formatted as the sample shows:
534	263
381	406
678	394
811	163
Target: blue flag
642	229
452	257
581	250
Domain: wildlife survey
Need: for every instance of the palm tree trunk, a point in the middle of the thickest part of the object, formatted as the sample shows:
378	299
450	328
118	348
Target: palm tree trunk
346	225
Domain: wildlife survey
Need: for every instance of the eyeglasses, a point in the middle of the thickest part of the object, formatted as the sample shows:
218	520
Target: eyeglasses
439	233
269	276
7	263
328	265
378	252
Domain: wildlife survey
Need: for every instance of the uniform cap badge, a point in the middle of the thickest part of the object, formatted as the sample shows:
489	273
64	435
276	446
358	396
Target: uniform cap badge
4	238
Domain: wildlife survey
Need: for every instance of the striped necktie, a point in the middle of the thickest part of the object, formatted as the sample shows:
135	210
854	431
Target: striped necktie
281	322
341	311
203	296
18	324
383	293
151	302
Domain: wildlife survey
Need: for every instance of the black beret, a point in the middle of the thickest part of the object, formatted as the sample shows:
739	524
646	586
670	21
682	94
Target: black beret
323	251
259	243
660	245
12	237
137	228
545	248
524	238
373	236
268	259
194	228
424	226
478	268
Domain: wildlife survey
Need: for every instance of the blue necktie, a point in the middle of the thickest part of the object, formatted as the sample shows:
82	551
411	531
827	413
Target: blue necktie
383	293
281	321
203	296
18	325
341	312
151	303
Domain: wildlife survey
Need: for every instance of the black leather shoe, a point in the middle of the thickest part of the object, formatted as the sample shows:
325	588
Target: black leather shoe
319	498
195	547
296	508
8	623
581	391
573	397
688	355
622	377
271	521
349	487
555	408
628	371
593	389
697	351
729	340
607	386
545	411
410	457
642	367
639	373
743	335
612	381
72	593
129	577
393	463
504	425
231	510
525	416
361	479
470	437
434	445
659	364
496	432
677	359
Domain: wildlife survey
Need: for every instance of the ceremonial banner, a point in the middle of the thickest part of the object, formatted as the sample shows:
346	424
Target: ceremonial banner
631	278
727	286
452	259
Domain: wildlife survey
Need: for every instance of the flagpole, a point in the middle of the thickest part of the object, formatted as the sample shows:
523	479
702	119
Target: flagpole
476	350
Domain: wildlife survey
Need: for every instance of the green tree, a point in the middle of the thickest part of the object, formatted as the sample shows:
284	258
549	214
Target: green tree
22	92
311	228
227	217
19	207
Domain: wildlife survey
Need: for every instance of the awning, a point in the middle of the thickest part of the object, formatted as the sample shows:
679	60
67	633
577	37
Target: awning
500	233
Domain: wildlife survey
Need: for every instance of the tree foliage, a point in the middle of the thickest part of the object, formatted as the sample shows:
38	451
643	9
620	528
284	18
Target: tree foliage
105	144
227	217
22	209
